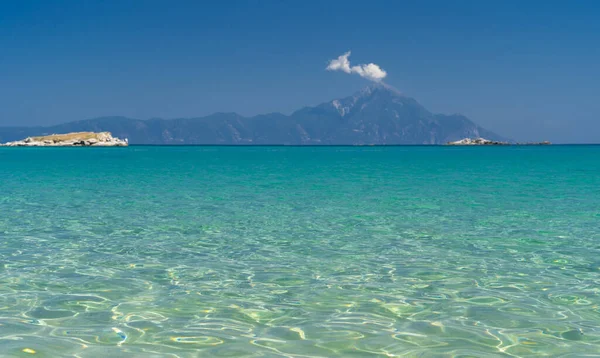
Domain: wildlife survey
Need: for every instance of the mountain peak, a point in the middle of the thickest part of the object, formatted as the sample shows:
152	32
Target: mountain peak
376	96
379	88
382	93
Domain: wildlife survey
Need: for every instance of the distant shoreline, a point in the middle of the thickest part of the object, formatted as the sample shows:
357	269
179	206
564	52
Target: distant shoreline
325	145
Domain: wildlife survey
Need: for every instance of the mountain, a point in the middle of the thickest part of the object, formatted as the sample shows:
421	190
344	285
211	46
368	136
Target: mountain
376	115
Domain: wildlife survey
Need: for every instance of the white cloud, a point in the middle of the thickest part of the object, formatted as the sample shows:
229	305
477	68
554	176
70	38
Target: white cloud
340	64
369	71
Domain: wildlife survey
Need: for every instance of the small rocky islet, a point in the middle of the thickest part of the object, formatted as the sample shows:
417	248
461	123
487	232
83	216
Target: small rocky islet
483	141
76	139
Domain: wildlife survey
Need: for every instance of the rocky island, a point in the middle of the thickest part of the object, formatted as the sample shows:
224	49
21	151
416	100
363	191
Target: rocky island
477	141
483	141
77	139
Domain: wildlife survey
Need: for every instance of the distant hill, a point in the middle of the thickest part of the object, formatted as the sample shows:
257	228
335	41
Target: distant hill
376	115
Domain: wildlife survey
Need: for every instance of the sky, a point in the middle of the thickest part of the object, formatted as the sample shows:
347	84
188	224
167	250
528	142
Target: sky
528	70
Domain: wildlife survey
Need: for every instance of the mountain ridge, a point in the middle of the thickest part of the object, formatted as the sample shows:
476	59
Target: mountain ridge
375	115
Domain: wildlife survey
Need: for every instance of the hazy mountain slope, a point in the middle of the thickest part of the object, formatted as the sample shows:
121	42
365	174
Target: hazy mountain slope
376	115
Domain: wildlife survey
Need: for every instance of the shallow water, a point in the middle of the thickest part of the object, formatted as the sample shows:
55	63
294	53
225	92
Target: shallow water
300	252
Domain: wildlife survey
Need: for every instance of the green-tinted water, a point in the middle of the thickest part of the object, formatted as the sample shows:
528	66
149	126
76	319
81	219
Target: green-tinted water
300	252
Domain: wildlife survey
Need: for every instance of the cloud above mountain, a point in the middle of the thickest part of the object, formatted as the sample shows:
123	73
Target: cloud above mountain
370	71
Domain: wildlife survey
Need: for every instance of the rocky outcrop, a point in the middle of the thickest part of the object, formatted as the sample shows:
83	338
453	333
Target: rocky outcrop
483	141
476	141
78	139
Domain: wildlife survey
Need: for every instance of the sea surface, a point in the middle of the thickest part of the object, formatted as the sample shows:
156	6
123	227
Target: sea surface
300	252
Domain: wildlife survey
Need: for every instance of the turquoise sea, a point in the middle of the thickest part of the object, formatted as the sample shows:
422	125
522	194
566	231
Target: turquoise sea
300	252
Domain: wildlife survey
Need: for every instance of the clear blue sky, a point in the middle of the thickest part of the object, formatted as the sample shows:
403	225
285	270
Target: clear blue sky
526	69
